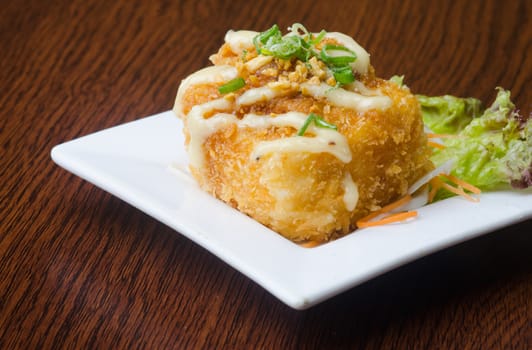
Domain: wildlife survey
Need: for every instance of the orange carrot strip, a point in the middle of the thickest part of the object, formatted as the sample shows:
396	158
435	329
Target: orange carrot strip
441	136
401	201
459	191
435	145
396	204
436	185
462	183
309	244
388	220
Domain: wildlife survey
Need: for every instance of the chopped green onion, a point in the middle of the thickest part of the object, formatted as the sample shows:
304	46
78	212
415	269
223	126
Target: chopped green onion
318	121
271	35
306	124
331	55
300	44
318	38
232	85
398	79
343	75
300	30
286	48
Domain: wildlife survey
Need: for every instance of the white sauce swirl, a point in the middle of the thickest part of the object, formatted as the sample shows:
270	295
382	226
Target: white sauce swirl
199	128
316	140
260	94
343	98
243	39
240	40
255	63
361	64
208	75
324	140
350	192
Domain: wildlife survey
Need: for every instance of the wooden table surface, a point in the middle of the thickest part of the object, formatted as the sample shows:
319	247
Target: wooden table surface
79	268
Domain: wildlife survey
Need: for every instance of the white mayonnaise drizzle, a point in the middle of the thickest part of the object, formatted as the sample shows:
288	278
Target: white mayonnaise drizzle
263	93
361	64
358	86
298	145
343	98
240	40
208	75
200	128
350	192
257	62
243	39
324	141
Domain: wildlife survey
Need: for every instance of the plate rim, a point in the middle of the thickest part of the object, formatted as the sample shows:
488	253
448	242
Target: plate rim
299	293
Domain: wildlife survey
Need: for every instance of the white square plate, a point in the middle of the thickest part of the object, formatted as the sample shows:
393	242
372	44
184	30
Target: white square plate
144	163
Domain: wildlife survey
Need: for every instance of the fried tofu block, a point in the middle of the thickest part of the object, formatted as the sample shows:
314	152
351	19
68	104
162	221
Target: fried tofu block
362	147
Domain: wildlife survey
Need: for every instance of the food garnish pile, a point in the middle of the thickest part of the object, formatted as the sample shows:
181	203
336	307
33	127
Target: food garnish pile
297	132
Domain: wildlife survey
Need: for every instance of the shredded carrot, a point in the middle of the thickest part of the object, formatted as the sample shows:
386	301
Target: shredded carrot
310	244
401	201
435	145
365	221
462	183
459	191
388	219
435	185
441	136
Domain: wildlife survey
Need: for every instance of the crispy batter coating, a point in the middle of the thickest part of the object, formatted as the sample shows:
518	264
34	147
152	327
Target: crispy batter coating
301	194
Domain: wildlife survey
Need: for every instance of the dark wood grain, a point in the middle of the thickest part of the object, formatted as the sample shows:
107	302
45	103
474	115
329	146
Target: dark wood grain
81	269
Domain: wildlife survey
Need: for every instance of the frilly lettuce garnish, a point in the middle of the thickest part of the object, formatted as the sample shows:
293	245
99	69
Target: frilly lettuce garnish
448	114
490	147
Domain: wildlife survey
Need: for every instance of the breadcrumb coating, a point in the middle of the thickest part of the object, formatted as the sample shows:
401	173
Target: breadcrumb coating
302	195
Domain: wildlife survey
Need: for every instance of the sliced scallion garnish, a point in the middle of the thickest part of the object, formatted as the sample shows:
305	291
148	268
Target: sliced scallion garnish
318	37
398	79
343	75
269	36
337	55
232	85
300	30
301	44
318	121
286	48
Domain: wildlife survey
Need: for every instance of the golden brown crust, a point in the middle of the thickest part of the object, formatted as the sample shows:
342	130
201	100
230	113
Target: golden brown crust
300	195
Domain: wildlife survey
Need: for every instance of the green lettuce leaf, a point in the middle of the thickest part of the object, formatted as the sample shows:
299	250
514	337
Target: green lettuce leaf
490	148
448	114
